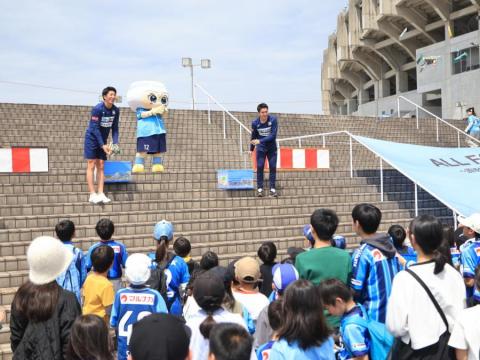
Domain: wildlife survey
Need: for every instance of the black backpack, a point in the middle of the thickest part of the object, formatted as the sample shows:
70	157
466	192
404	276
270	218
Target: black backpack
158	279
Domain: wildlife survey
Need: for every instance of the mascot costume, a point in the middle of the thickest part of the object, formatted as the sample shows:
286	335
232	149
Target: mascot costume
149	100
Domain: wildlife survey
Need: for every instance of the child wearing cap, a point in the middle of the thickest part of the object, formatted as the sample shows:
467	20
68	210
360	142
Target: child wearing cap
247	274
282	276
470	250
182	248
209	293
42	313
105	230
134	302
175	267
97	291
73	278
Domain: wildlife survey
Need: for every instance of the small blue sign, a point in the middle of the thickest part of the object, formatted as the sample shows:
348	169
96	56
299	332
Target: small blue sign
235	179
118	172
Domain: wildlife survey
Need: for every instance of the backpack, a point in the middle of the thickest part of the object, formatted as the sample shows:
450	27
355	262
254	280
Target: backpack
71	279
158	279
381	340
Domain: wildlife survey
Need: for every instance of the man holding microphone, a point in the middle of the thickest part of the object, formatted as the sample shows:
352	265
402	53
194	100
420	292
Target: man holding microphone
264	139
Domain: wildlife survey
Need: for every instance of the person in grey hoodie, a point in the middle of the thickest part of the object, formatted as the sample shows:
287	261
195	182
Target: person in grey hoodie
374	263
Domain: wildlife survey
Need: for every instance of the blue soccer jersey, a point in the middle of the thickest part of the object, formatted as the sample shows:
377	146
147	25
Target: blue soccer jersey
120	257
355	337
372	276
266	132
152	125
456	254
177	277
263	351
469	257
131	305
102	120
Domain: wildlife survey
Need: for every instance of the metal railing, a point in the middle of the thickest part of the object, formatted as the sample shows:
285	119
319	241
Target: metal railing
352	137
225	112
438	120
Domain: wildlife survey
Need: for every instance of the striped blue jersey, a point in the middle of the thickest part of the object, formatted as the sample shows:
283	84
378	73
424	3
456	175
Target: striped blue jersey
263	351
409	254
177	276
373	271
120	257
470	255
131	305
456	254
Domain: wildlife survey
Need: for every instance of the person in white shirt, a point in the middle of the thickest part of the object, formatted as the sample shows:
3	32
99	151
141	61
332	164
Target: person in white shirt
411	314
465	337
247	273
209	293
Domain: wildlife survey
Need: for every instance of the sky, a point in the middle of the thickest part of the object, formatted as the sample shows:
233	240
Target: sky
261	51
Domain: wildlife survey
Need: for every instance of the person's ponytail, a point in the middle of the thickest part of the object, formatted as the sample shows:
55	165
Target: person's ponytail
207	325
161	252
440	261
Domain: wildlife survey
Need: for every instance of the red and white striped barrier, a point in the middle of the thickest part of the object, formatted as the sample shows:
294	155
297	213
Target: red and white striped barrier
23	160
299	159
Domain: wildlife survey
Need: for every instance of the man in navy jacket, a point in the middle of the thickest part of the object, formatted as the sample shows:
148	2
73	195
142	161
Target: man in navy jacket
264	139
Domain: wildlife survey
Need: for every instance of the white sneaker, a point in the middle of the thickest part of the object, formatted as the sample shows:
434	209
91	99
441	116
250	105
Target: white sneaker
94	198
102	198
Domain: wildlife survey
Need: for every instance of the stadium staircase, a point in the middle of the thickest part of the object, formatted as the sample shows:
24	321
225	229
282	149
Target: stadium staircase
231	223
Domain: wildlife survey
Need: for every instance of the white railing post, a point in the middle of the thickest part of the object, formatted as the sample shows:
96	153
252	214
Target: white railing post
209	115
323	140
438	139
224	129
416	115
398	107
351	157
416	200
458	138
241	144
299	142
381	179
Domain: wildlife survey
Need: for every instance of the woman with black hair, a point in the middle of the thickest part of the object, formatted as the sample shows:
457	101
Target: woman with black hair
209	293
427	298
304	333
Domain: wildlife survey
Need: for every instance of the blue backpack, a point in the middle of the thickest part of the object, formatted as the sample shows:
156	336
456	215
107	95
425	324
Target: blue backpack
72	279
381	340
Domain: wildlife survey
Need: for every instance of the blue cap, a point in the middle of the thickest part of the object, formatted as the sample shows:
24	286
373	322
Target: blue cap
340	241
307	232
283	275
163	228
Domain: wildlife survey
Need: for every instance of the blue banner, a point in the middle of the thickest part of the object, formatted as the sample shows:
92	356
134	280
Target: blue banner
452	175
235	179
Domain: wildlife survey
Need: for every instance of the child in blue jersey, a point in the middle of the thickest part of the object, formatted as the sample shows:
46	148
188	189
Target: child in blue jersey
470	250
134	302
264	140
408	256
275	320
338	301
73	278
104	116
374	264
105	230
176	268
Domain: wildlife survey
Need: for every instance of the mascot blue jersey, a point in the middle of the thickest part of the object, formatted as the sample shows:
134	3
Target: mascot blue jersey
152	125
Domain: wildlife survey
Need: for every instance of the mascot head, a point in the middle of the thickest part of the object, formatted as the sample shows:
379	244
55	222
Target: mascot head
147	95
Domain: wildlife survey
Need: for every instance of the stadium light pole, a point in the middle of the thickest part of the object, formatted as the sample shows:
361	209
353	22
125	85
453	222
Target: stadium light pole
204	64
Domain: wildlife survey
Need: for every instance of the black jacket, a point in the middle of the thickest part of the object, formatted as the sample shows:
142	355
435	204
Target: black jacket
45	340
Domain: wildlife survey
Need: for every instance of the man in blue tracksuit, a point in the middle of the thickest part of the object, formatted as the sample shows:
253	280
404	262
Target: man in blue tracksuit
264	139
104	117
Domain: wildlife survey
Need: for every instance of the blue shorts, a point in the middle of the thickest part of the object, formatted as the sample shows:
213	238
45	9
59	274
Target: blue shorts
91	151
152	144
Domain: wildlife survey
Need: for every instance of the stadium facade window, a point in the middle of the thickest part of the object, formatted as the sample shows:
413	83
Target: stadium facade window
465	60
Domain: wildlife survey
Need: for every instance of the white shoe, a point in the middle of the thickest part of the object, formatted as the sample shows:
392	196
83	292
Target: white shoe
94	198
102	198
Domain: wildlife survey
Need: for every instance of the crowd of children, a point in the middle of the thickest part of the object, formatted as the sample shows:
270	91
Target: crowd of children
401	294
